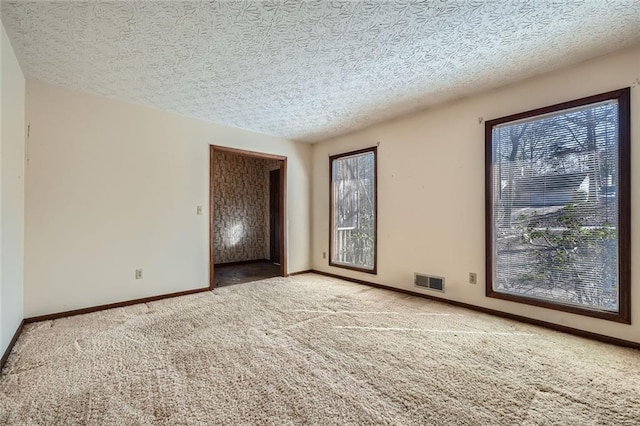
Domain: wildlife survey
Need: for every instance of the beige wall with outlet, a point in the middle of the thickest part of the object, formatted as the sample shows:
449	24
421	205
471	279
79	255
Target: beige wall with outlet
112	187
12	130
431	188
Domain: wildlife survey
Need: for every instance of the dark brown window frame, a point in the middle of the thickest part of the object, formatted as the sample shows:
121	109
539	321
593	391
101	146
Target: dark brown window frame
373	271
624	206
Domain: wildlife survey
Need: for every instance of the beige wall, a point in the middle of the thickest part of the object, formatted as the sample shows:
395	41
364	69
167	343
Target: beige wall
431	188
112	187
12	130
241	200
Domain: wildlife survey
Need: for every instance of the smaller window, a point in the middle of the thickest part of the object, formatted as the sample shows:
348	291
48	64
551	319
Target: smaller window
353	215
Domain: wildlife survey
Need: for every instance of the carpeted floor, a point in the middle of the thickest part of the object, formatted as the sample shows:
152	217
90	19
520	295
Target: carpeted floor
311	350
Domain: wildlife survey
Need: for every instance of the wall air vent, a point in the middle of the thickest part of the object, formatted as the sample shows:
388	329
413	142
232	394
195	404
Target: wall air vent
429	281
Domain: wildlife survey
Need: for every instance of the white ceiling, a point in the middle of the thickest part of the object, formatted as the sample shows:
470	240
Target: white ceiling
307	70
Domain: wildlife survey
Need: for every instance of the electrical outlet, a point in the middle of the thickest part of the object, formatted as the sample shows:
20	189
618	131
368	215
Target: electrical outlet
324	254
138	274
199	210
473	278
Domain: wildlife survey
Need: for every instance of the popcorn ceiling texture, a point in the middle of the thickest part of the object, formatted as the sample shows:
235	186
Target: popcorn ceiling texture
307	70
241	207
311	350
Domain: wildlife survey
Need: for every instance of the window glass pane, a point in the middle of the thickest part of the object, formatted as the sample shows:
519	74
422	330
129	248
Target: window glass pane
555	207
353	213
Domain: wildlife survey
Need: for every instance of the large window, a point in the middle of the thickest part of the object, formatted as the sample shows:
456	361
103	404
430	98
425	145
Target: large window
353	210
558	207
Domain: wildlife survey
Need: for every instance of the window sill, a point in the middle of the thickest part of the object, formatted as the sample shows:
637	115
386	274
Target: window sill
623	316
354	268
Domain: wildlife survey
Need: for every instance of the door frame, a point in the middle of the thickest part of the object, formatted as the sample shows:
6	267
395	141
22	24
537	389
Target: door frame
274	206
283	203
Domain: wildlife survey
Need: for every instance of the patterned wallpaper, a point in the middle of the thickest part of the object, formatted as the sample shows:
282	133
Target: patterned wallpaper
307	70
241	200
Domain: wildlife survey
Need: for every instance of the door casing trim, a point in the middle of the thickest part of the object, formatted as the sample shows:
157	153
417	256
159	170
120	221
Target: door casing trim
283	203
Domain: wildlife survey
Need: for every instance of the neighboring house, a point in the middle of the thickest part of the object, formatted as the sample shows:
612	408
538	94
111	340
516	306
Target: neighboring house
551	190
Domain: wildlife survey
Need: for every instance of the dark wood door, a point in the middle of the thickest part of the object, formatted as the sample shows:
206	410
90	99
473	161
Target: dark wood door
274	215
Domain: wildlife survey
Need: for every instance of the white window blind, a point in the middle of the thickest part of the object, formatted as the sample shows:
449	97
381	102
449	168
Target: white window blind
554	202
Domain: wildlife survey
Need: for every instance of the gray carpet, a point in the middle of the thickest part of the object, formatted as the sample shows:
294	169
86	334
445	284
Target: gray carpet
311	350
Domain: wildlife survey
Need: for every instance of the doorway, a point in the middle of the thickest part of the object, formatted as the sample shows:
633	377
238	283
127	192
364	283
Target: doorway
246	243
274	216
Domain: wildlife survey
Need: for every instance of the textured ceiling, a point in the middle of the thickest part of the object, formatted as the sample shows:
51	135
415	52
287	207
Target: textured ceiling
307	70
